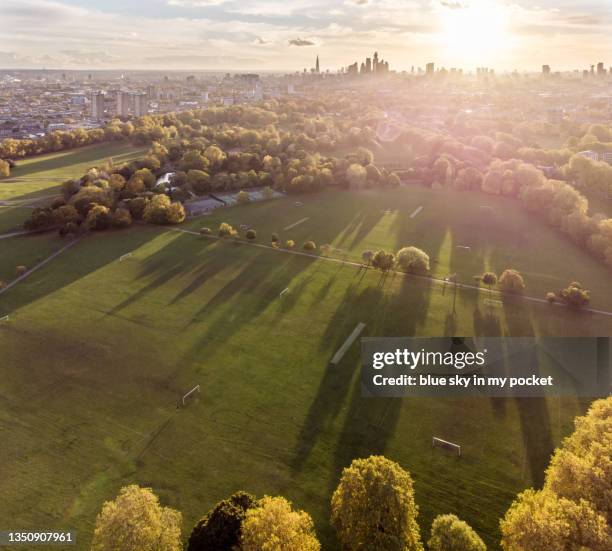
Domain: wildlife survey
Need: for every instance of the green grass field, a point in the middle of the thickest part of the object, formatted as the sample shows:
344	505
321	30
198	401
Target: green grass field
98	352
36	178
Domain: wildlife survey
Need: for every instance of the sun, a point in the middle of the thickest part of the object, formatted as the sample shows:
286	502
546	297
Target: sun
474	33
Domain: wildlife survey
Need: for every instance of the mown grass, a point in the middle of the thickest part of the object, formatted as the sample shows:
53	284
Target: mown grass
98	352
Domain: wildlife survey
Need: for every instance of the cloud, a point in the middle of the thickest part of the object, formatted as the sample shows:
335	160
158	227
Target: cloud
453	5
301	42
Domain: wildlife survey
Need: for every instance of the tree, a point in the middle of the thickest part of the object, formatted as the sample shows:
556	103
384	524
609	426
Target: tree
325	249
98	218
274	525
356	175
367	257
489	279
575	296
267	192
290	243
373	507
511	281
135	521
449	533
383	261
5	169
20	270
243	197
413	260
160	210
122	218
220	529
581	468
251	234
574	509
309	246
543	521
225	230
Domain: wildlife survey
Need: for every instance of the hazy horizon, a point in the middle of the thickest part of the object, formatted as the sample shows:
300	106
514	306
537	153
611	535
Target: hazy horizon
270	35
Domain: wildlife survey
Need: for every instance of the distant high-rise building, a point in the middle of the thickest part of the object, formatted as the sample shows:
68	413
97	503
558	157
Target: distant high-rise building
368	65
375	63
97	105
317	67
123	103
601	70
140	105
430	68
546	69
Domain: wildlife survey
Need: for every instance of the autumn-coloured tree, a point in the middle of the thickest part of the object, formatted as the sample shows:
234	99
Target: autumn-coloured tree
373	507
135	521
274	525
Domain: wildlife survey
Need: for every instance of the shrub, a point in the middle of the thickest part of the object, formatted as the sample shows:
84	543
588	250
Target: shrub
20	270
290	243
551	297
413	260
309	246
325	249
251	234
275	238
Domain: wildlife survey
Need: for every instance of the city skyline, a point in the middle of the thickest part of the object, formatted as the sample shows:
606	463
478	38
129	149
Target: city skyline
287	36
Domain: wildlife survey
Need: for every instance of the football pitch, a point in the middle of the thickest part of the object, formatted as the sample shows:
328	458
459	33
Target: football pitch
98	353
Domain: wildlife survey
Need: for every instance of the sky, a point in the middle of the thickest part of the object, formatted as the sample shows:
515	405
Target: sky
287	35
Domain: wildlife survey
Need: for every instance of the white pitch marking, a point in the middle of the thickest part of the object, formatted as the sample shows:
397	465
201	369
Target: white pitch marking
290	226
417	210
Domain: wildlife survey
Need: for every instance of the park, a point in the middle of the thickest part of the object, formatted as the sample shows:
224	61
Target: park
104	340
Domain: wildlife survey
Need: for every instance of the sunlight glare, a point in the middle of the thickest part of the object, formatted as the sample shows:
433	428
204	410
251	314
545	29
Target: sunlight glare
474	33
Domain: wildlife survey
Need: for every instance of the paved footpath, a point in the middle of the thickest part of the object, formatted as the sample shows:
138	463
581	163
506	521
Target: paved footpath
435	280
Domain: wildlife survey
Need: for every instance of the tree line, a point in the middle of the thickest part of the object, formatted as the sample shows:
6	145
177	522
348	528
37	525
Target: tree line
374	507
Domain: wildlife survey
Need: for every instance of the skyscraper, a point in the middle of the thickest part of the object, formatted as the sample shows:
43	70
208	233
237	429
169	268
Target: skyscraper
123	103
317	65
97	105
546	69
140	105
430	68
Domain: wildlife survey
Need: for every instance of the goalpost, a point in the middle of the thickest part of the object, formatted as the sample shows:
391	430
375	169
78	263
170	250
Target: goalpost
194	390
438	442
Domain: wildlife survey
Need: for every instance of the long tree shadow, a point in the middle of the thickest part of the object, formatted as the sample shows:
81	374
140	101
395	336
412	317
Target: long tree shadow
82	259
337	379
533	411
246	296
